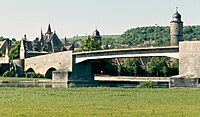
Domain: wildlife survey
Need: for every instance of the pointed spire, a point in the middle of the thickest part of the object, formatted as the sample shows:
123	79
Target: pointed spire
65	41
49	30
176	9
41	32
42	35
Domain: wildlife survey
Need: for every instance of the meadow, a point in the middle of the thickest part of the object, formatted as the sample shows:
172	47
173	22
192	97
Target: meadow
100	101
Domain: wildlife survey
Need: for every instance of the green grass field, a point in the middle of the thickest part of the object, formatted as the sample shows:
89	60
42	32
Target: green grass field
116	102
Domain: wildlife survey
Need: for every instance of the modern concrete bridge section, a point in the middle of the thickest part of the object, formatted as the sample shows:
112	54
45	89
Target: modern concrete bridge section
171	51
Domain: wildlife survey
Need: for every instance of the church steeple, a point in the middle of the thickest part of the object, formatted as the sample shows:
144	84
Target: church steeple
49	30
42	35
41	32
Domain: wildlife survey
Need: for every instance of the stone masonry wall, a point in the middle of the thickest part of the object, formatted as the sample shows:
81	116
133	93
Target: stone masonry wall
189	62
40	64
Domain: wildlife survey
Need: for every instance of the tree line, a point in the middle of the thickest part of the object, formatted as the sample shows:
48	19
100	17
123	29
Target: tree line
155	67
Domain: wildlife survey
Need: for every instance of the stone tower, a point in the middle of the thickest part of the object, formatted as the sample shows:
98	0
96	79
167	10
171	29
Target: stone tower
176	29
96	35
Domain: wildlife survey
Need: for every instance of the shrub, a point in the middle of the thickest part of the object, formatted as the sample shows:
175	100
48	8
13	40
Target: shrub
34	75
8	74
71	85
16	75
147	84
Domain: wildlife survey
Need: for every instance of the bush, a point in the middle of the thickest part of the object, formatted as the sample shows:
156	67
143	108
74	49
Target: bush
19	75
8	74
34	75
71	85
147	84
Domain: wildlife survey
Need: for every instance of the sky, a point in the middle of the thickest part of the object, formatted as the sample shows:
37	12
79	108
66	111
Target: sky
80	17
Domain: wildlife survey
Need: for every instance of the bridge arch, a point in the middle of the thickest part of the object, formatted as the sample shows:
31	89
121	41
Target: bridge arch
30	70
49	72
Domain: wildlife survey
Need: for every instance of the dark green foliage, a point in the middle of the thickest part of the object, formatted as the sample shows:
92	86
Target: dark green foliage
156	35
90	44
111	68
132	66
148	84
173	67
2	38
1	53
14	51
9	74
104	67
109	41
19	72
34	75
157	66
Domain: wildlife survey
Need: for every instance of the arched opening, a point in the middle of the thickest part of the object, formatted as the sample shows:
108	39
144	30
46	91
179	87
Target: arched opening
30	70
49	73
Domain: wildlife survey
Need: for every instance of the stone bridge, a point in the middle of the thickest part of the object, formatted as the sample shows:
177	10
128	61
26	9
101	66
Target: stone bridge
42	64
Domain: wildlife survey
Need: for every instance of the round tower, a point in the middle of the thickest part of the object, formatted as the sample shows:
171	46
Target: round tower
96	34
176	29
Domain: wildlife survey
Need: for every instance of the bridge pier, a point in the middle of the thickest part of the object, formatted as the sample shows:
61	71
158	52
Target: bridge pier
82	74
189	65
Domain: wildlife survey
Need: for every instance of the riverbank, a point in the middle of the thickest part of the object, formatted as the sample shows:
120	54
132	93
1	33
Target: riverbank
116	102
18	80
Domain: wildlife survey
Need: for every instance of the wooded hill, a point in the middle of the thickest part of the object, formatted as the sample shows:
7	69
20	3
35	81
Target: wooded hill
145	36
157	36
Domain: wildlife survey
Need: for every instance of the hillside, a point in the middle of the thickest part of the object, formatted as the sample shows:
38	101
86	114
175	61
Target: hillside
79	38
156	36
144	36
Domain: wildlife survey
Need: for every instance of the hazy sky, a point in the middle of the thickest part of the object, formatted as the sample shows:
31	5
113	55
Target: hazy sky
72	17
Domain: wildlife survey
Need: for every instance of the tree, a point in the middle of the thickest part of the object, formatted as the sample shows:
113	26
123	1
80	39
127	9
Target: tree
157	65
14	51
2	38
90	44
132	66
173	67
104	66
149	68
